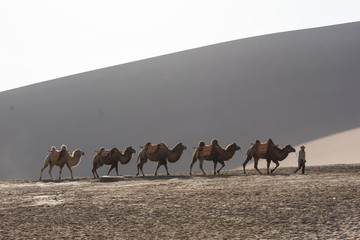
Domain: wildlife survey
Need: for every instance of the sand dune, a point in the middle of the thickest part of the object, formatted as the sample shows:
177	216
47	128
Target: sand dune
293	87
340	148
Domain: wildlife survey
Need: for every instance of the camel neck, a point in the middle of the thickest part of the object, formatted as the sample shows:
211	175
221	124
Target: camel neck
283	154
174	154
229	153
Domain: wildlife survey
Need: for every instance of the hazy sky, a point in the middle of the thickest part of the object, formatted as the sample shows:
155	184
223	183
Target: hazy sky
42	40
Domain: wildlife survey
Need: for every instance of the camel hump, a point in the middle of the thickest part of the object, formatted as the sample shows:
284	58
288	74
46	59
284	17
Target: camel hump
263	147
153	148
114	149
55	155
205	150
104	153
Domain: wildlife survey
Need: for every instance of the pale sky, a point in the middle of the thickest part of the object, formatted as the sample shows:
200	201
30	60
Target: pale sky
42	40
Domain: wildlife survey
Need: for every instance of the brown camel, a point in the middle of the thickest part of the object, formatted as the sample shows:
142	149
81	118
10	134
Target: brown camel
218	155
161	155
69	160
113	158
273	153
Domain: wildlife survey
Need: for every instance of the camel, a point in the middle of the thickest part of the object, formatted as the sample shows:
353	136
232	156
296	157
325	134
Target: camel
161	156
218	154
70	161
273	153
112	159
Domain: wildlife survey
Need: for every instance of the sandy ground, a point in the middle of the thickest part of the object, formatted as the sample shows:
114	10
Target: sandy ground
323	204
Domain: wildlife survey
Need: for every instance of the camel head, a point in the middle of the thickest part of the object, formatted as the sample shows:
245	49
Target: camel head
289	148
233	146
181	146
78	153
129	150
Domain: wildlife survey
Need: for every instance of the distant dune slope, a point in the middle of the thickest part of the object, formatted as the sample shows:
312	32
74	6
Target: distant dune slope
293	87
340	148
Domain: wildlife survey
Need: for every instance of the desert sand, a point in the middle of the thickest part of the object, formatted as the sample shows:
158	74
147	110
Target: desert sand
322	204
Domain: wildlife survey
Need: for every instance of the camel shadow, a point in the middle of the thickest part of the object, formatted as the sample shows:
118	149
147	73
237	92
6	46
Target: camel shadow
184	176
63	180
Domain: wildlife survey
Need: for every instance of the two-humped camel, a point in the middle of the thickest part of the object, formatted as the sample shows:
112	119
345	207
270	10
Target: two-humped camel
113	158
273	153
217	155
162	154
69	160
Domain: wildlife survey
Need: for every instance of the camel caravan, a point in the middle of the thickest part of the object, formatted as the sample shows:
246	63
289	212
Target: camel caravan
162	154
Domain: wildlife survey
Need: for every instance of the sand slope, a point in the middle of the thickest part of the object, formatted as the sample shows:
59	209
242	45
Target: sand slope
341	148
293	87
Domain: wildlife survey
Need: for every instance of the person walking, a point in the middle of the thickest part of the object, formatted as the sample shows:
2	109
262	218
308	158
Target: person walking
301	160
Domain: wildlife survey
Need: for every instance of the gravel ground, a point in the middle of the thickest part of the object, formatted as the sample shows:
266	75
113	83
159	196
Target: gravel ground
323	204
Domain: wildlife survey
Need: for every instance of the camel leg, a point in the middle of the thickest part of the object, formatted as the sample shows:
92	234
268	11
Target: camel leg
68	166
247	159
60	171
42	169
215	164
111	168
201	161
166	168
142	170
140	167
50	168
192	163
117	169
268	165
41	174
256	161
96	165
141	164
97	175
157	167
93	170
222	165
277	164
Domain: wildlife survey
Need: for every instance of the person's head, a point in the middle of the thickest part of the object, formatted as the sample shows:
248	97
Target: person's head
302	147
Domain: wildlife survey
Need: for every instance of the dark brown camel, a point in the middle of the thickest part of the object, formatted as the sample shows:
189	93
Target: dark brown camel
115	156
274	153
162	155
218	155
